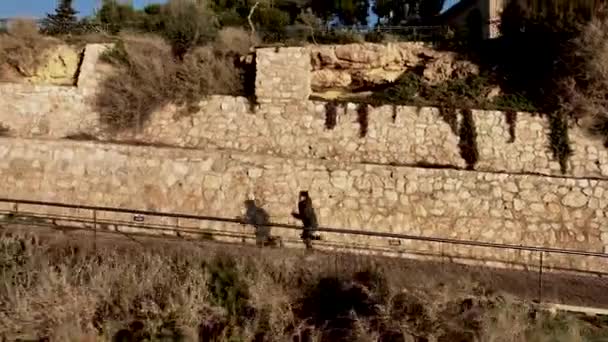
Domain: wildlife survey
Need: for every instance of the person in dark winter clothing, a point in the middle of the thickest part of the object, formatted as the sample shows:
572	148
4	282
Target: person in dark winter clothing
306	214
259	219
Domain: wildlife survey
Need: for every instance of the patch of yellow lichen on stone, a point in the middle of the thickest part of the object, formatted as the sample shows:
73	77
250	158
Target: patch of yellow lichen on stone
60	67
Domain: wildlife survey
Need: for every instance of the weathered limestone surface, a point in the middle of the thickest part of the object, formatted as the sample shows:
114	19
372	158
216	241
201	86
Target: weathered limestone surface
514	209
369	64
530	152
53	111
58	65
286	123
282	74
399	135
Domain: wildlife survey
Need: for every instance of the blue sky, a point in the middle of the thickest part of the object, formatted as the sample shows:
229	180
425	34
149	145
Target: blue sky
449	3
38	8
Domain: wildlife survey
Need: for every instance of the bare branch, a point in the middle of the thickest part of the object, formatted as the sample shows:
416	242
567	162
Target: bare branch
249	18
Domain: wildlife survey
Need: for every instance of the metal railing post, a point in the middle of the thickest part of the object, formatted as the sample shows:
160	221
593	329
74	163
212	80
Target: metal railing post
95	230
443	242
540	278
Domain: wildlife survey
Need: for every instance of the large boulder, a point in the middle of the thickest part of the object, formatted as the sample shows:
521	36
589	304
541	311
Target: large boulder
328	79
367	65
442	67
59	67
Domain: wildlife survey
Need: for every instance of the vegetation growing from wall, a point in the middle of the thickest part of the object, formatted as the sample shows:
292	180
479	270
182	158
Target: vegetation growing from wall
559	141
125	291
468	139
450	116
363	119
511	119
149	76
583	92
331	115
471	92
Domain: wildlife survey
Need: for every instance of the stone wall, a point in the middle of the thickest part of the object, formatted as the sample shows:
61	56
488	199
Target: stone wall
282	74
528	210
365	65
53	111
290	125
401	135
402	175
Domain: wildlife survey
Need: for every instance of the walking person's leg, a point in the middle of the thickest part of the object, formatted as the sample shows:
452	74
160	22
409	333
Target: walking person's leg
307	237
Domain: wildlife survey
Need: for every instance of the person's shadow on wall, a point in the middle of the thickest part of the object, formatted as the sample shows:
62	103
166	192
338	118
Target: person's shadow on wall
259	219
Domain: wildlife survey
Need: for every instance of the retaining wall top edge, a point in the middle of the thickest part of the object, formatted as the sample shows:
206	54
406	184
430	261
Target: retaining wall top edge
329	165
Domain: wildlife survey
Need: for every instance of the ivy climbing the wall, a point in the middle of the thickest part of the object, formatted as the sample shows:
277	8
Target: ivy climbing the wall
450	116
362	119
468	139
331	115
559	140
511	118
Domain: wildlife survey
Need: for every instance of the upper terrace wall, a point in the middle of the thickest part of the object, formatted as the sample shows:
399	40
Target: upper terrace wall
501	208
286	123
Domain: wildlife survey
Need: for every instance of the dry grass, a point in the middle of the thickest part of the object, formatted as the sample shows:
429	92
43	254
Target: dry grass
148	77
67	291
22	49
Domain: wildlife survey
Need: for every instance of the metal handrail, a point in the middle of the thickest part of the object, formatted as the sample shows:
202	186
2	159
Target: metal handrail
360	232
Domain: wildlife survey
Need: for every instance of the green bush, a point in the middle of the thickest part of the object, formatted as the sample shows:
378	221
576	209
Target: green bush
515	102
403	91
271	22
116	16
188	24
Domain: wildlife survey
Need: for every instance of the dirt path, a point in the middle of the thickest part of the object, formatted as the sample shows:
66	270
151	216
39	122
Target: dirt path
570	289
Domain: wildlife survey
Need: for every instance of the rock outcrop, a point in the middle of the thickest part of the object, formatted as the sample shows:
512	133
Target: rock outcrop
59	66
367	65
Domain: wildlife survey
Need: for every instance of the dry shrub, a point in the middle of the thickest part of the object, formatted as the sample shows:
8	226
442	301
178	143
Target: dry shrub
236	40
22	47
583	94
148	77
60	287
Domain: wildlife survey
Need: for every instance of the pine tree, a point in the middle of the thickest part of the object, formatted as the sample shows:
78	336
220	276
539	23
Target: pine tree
63	21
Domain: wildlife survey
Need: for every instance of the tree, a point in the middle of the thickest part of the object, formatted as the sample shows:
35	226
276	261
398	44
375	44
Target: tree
395	11
430	8
187	24
323	9
352	12
348	12
272	22
117	16
63	21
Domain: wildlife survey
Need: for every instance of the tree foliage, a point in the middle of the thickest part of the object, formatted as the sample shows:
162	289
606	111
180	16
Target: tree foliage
395	12
64	20
187	24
